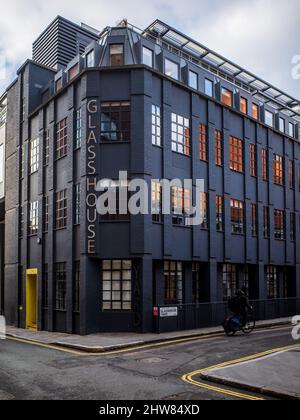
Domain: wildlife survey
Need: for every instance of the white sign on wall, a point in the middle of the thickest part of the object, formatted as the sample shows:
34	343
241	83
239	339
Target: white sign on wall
168	312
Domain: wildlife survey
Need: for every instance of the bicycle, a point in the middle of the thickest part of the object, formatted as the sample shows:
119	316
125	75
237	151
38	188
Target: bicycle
234	324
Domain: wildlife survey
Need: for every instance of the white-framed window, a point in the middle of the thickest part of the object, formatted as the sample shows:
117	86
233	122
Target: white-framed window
33	217
34	155
171	69
77	191
282	124
117	285
156	125
90	59
269	118
78	131
147	57
209	88
291	129
193	80
181	135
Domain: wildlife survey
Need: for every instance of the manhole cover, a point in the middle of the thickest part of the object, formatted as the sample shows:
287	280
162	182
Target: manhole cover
153	360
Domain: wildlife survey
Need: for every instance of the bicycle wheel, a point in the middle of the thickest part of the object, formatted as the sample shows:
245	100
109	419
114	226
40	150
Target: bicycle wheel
250	324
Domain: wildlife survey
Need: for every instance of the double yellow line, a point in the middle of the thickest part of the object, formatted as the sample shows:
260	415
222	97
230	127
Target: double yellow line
121	351
189	377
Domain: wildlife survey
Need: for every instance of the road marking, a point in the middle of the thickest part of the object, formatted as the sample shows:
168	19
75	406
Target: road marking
205	338
188	378
115	352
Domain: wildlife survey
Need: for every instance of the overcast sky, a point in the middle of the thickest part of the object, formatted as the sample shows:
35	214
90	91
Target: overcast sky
261	35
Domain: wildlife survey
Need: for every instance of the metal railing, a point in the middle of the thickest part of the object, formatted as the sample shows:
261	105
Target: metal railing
205	315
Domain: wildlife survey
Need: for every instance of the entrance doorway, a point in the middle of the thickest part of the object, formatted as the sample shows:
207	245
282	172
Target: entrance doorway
31	299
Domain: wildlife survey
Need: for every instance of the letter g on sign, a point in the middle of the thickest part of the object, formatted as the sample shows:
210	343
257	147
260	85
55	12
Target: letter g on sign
296	329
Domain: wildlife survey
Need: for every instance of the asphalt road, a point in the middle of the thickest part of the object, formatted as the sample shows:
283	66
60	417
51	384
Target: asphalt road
30	372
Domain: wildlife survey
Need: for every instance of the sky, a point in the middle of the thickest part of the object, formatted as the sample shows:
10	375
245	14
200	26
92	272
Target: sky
262	36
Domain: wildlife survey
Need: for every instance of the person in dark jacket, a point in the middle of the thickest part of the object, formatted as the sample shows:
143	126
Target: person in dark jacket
242	305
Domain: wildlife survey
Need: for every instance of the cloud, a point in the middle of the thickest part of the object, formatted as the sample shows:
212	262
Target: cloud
260	35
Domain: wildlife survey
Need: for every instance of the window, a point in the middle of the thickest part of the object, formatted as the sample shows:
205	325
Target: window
264	164
3	112
23	109
77	191
21	222
279	224
237	216
78	128
73	71
193	80
266	222
244	105
236	154
147	57
181	135
120	190
61	139
291	129
22	160
181	204
61	209
278	170
47	148
90	59
282	125
227	97
46	214
117	285
203	210
209	88
292	227
254	220
218	148
173	275
156	201
255	112
291	175
58	84
272	279
269	118
252	160
156	125
60	287
45	300
219	213
171	69
116	55
230	283
202	142
115	122
34	155
33	217
197	298
77	287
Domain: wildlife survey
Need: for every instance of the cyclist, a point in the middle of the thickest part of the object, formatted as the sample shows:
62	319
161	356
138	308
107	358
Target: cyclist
242	305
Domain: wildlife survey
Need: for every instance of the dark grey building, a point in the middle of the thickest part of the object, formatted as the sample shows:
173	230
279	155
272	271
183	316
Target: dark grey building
61	41
158	105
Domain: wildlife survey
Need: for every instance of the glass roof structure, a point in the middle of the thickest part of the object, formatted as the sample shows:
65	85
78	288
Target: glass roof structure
197	53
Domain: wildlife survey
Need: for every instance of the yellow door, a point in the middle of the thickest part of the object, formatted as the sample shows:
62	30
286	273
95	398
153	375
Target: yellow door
31	299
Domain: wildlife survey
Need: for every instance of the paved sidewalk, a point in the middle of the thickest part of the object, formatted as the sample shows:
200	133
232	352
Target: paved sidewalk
103	342
276	375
